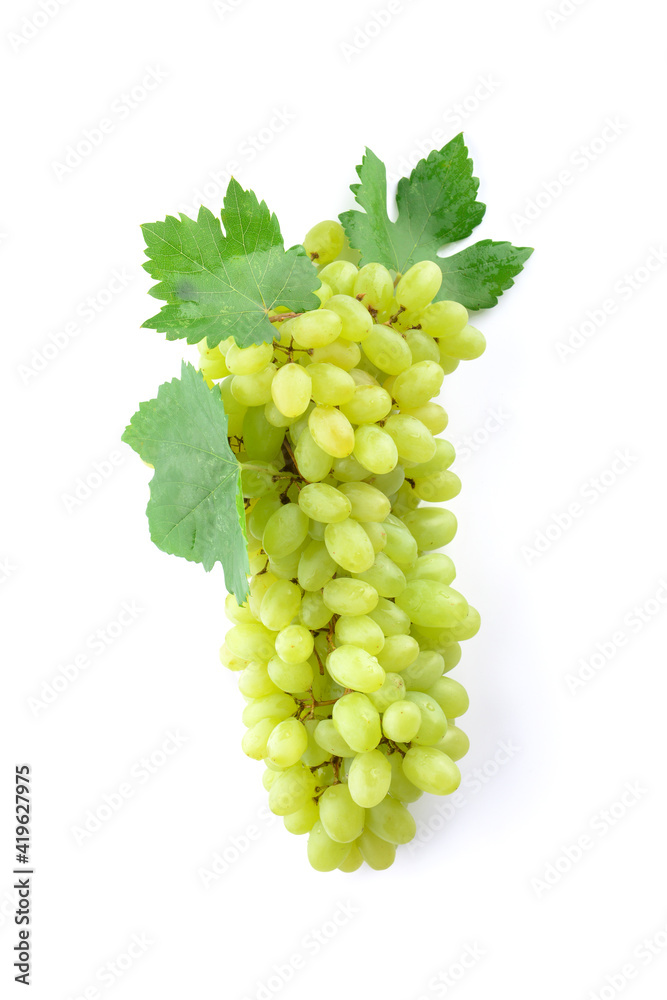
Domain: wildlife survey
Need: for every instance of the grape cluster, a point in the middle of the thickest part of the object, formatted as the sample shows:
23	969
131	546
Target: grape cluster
351	626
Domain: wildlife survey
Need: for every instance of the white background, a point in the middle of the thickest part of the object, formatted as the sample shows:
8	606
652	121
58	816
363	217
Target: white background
491	878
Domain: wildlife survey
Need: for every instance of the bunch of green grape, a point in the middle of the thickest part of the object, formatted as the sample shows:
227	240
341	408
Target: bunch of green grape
351	626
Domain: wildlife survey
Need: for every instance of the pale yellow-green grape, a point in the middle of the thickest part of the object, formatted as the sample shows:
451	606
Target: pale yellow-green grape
213	369
392	690
353	861
398	652
390	482
251	642
417	384
350	597
254	742
324	854
262	440
231	660
391	821
389	617
442	459
303	820
358	721
324	241
419	285
466	345
433	720
451	696
348	470
361	631
357	322
401	546
414	441
248	360
431	770
341	817
280	604
387	350
328	737
343	353
434	604
367	503
465	629
331	431
316	567
400	787
316	328
291	790
260	514
431	414
313	756
258	587
448	364
369	778
255	681
325	503
277	706
239	614
452	656
340	276
374	287
324	292
254	390
375	449
454	743
287	568
330	385
424	671
401	721
376	852
285	530
442	319
349	545
369	404
432	528
355	668
387	578
362	377
269	777
209	353
432	566
439	487
290	390
313	463
376	533
294	644
422	347
314	612
290	677
234	409
287	742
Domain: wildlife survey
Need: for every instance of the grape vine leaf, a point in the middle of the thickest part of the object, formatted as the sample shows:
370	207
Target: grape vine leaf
219	284
437	205
196	506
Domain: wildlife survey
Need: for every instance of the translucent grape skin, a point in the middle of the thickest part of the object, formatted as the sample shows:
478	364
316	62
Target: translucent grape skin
344	646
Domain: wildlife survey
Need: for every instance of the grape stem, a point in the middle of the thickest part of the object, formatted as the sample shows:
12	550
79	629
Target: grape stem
279	318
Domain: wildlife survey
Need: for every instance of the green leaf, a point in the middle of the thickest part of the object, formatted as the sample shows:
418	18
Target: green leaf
196	504
218	285
437	205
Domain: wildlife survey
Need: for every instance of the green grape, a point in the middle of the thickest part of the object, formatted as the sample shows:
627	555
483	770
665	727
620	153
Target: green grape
260	514
417	384
316	567
376	852
248	360
401	721
405	500
294	644
355	668
231	660
314	755
280	605
340	276
392	690
255	740
444	318
331	386
390	482
432	415
448	364
325	503
324	854
324	241
233	408
255	681
433	604
288	567
389	617
238	614
290	677
252	642
367	503
302	820
287	742
345	354
285	530
324	292
466	345
387	578
424	671
350	597
400	787
274	416
442	459
313	463
433	720
359	630
465	629
269	777
328	737
357	323
398	652
451	696
298	426
353	861
314	612
412	438
374	288
348	470
273	706
290	390
422	347
376	533
391	821
254	390
419	285
369	404
291	790
374	449
431	528
452	656
431	770
432	566
257	589
387	350
259	479
316	328
331	431
358	721
361	377
439	487
401	547
454	743
262	439
369	778
341	817
349	545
